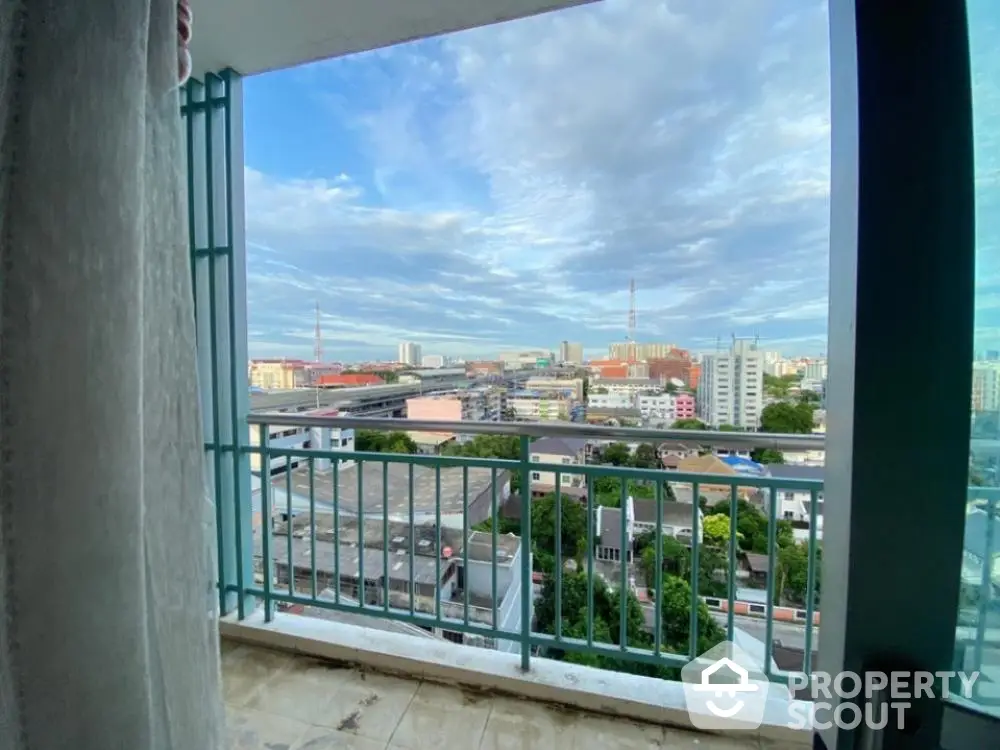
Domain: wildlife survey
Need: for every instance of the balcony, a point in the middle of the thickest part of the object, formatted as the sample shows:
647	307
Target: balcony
420	566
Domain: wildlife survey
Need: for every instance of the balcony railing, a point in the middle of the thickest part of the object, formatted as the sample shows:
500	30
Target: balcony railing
393	537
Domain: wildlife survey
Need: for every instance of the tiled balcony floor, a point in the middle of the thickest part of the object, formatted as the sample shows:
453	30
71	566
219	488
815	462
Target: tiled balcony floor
277	701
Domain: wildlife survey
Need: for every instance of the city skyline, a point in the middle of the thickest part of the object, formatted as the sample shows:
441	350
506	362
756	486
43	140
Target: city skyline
494	188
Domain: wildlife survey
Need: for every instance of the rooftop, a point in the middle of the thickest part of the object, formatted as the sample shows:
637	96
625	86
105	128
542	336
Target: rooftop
559	446
397	489
424	537
673	513
795	471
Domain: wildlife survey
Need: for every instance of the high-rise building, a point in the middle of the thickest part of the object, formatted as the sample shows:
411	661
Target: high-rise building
815	369
986	386
571	353
731	388
409	353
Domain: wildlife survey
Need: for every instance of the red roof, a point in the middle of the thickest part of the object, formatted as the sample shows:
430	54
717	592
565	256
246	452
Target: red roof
351	378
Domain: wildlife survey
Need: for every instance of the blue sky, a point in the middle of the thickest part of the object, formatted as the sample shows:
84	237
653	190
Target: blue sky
497	188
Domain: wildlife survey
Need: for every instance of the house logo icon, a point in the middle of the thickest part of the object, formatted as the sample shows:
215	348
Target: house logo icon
725	689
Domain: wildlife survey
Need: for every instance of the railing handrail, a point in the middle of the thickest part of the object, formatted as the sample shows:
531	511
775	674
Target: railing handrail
775	441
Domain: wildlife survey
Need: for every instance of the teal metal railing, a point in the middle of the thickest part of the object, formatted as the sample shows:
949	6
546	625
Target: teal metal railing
422	540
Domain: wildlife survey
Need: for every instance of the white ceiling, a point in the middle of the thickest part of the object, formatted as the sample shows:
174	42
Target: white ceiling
253	36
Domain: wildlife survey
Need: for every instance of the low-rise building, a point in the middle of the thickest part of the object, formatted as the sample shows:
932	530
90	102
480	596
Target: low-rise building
794	504
278	374
562	387
401	564
564	451
629	386
348	380
302	438
676	519
610	401
533	406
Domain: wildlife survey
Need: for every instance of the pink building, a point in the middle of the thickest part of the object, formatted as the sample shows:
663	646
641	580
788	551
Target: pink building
684	406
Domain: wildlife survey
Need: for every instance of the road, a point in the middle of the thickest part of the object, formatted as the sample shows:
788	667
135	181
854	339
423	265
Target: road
791	636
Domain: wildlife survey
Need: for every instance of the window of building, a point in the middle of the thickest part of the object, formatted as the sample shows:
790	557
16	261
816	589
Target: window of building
536	475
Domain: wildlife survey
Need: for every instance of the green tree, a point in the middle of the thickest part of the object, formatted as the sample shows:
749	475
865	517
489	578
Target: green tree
809	397
675	613
767	456
688	424
509	414
670	388
487	446
729	428
617	454
716	528
573	527
384	442
783	417
793	573
646	457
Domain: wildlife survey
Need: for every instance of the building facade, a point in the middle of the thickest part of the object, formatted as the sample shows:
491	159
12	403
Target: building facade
631	350
570	353
410	353
278	374
432	360
986	386
566	451
731	389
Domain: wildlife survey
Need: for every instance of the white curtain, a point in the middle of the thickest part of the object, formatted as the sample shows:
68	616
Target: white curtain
107	630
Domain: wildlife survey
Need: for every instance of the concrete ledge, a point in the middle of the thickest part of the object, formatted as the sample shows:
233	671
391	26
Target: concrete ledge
586	688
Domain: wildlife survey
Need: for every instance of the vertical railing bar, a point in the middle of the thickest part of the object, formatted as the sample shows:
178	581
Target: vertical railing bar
590	562
314	588
986	584
437	542
465	544
558	555
810	583
695	554
772	543
623	565
267	565
527	588
237	425
289	525
386	573
362	583
335	479
658	576
213	338
413	586
731	564
493	530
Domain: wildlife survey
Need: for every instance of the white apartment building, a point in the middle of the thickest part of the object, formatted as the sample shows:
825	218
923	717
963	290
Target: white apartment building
628	386
539	408
611	401
986	386
410	353
731	388
570	353
815	370
432	360
660	406
307	438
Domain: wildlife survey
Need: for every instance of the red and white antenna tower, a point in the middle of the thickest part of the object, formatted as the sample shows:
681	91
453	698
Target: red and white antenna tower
318	350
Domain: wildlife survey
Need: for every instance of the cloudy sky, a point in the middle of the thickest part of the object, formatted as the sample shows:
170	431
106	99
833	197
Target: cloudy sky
498	188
